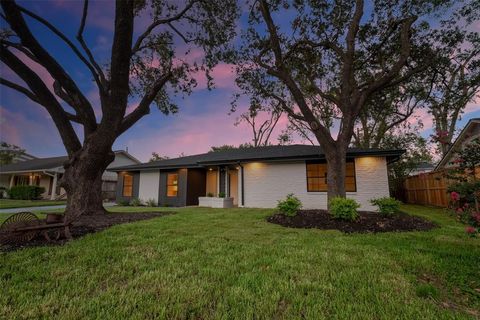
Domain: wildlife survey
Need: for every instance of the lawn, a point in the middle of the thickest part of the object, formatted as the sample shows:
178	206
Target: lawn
9	203
231	264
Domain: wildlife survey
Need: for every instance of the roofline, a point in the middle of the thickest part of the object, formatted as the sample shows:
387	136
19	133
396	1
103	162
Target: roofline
462	133
29	171
128	155
394	154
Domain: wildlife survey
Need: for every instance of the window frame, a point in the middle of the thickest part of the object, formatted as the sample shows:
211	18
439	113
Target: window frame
172	185
131	186
349	160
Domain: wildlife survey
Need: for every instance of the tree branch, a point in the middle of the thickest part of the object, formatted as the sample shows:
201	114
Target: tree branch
20	89
45	98
16	21
90	56
155	24
143	107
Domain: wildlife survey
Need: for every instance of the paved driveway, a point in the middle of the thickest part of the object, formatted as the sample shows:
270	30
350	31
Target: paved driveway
44	208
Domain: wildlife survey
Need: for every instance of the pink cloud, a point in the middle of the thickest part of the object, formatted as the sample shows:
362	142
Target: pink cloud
223	77
17	128
191	135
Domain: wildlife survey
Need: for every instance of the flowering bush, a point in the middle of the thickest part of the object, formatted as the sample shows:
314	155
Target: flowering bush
465	213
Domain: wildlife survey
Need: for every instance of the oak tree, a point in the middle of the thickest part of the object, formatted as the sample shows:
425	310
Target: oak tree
148	65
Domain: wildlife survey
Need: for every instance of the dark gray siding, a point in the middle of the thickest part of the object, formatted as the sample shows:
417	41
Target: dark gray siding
136	182
181	199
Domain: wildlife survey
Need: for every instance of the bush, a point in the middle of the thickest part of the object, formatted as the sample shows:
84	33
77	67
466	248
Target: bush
26	192
221	194
387	206
290	205
344	208
124	203
151	203
3	191
210	195
135	202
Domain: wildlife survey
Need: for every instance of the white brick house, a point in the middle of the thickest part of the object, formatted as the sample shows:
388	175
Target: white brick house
255	177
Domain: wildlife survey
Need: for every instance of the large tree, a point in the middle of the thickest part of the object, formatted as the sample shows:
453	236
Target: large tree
322	61
145	66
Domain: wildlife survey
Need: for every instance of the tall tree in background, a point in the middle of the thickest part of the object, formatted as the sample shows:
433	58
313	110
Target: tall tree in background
458	67
146	67
261	120
333	56
8	152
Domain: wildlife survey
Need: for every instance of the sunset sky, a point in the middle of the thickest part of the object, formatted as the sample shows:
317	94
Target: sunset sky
202	121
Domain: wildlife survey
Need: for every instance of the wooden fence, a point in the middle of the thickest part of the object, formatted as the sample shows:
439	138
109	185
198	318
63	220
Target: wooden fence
429	188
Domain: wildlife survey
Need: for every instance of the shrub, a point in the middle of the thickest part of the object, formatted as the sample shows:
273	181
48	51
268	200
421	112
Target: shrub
123	202
135	202
221	194
343	208
26	192
3	191
151	203
387	206
290	205
210	195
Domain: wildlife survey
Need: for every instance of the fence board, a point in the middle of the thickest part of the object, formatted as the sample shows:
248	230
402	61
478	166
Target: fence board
429	188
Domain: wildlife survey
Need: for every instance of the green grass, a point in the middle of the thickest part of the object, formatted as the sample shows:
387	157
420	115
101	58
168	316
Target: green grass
231	264
9	203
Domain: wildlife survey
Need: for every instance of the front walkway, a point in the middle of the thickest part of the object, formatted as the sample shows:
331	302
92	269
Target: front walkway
45	208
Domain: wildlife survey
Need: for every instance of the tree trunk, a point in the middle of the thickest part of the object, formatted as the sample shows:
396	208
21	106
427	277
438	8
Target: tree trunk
336	163
83	182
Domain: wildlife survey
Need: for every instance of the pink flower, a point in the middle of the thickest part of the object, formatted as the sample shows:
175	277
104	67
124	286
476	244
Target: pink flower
455	196
470	230
459	210
476	217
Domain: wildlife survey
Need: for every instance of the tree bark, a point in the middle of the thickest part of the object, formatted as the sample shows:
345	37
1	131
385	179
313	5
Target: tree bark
83	181
336	169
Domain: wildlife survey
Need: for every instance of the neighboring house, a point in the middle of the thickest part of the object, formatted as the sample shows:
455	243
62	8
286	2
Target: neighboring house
256	177
423	167
45	172
469	132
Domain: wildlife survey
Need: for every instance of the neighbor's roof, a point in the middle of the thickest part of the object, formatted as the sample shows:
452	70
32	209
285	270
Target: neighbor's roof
269	153
45	164
458	142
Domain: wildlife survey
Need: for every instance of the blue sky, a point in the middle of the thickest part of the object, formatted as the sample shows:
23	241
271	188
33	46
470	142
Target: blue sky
202	121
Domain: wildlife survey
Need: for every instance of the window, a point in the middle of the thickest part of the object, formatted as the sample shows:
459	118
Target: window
127	185
317	177
172	184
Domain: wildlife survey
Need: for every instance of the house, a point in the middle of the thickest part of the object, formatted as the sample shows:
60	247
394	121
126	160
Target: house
422	167
45	172
469	132
255	177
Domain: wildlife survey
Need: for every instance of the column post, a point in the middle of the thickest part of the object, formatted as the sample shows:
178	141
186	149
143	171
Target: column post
54	186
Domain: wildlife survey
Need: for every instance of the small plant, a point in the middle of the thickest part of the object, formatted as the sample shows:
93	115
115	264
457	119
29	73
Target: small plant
3	192
123	203
290	205
221	194
387	206
344	208
151	203
135	202
210	195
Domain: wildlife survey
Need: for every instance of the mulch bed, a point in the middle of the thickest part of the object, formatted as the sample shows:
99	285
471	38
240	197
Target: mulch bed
88	224
368	222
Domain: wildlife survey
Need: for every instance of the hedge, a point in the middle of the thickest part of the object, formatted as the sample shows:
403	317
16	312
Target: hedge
26	192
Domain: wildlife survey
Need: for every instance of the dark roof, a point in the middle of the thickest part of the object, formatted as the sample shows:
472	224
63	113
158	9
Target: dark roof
41	164
34	164
269	153
424	165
